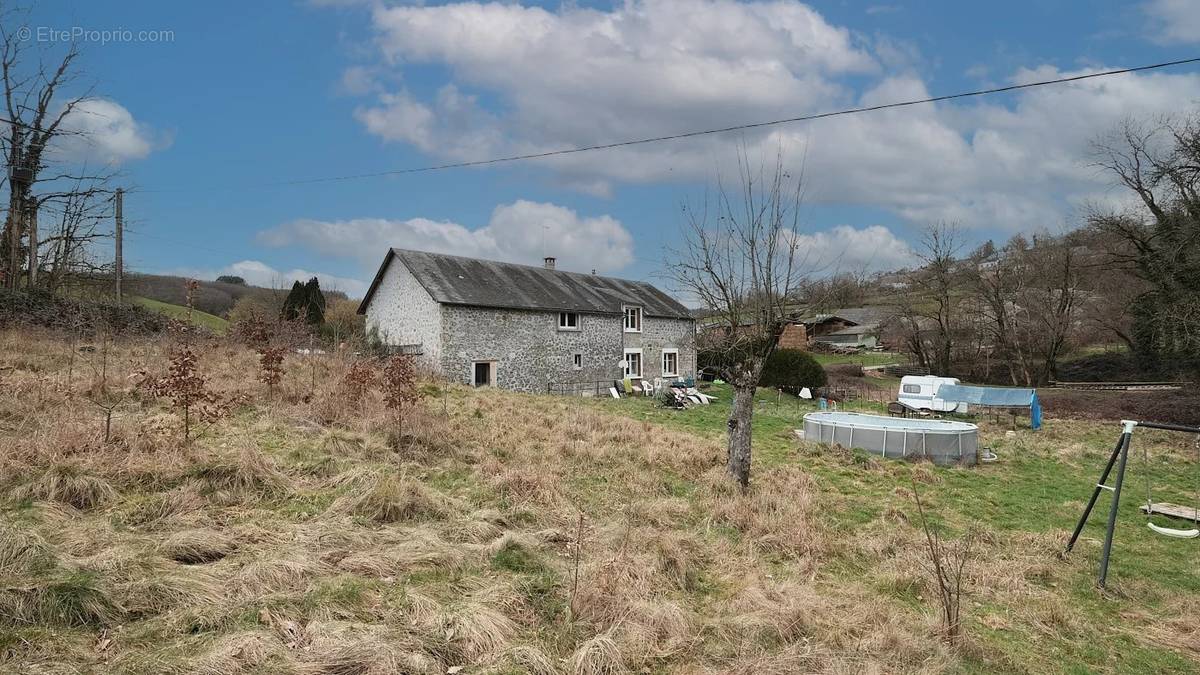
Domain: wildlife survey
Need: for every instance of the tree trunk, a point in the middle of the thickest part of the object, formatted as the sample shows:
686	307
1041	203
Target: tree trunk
739	433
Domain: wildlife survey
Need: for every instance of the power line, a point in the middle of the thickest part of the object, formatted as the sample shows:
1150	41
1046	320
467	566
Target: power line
707	132
739	127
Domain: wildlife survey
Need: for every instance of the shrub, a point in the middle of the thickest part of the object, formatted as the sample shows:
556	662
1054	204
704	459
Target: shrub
792	370
40	308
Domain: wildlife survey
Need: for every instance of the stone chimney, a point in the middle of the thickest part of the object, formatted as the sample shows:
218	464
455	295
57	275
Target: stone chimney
549	260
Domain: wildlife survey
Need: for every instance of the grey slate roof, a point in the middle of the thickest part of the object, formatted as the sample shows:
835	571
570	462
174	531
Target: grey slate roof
859	329
455	280
858	315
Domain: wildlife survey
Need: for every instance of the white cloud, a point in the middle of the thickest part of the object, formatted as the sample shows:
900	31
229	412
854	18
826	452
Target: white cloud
577	76
1173	21
845	248
104	131
517	232
258	273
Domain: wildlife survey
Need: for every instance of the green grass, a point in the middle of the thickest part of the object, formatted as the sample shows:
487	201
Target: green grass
864	359
208	321
1039	487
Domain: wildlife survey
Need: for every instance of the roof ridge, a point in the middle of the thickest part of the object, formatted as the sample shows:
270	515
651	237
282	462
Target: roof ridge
526	265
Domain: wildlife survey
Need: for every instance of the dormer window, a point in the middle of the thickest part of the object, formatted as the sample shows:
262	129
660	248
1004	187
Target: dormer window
568	321
633	319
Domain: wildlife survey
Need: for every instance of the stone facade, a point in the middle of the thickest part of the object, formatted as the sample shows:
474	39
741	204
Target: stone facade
402	312
526	348
660	333
530	351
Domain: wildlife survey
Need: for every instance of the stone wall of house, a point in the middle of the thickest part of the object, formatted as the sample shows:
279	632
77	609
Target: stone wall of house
660	333
402	312
528	348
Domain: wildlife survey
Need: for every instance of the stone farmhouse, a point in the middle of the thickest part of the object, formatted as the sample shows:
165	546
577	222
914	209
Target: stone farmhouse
527	328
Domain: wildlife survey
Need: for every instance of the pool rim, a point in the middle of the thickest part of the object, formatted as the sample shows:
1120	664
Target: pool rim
894	423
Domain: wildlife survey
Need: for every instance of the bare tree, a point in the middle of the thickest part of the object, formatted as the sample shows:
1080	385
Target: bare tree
1158	162
996	282
740	259
928	308
1051	302
36	109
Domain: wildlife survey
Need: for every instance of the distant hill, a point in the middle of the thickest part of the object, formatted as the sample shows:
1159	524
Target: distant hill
213	297
203	319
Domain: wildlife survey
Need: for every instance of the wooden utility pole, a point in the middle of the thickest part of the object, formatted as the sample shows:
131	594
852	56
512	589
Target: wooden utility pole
13	268
119	261
31	224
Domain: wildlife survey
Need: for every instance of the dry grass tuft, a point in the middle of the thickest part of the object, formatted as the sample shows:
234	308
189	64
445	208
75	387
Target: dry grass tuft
23	551
1177	628
390	498
61	598
276	574
194	547
421	548
599	655
341	648
250	473
527	659
249	652
775	514
68	484
186	498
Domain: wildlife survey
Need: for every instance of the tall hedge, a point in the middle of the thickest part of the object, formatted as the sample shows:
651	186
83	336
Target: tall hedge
792	370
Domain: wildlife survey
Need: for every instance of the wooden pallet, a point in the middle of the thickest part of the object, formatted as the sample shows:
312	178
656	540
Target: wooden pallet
1171	510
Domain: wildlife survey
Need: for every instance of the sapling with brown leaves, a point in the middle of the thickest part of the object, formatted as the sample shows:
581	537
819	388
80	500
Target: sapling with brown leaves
358	380
400	390
183	383
271	340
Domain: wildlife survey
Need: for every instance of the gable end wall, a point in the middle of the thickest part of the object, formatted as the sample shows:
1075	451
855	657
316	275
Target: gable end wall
402	312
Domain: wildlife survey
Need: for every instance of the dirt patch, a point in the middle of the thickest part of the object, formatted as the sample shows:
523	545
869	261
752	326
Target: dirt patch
1180	406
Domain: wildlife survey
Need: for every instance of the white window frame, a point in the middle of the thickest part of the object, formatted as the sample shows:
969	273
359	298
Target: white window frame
641	364
577	361
670	373
491	373
563	324
636	312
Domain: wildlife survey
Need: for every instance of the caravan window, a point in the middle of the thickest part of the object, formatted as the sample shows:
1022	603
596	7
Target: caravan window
911	388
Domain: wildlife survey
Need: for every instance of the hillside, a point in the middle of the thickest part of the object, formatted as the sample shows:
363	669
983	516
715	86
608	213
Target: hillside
505	533
205	320
213	297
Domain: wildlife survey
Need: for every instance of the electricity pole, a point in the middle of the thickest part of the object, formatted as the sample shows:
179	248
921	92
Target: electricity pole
119	261
31	216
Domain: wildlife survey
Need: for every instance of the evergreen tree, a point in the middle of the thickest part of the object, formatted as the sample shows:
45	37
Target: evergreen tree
295	301
314	302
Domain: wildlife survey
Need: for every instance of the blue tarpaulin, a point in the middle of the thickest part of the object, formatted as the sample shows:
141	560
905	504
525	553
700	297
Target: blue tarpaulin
1003	397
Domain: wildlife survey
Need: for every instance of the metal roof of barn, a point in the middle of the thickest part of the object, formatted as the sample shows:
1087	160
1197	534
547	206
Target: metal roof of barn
457	280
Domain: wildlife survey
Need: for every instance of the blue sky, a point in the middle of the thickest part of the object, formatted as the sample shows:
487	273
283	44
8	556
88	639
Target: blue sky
206	123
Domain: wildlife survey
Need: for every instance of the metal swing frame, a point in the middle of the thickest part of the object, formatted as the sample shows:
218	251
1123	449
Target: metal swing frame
1118	457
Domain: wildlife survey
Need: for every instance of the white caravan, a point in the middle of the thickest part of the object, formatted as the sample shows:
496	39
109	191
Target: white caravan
920	392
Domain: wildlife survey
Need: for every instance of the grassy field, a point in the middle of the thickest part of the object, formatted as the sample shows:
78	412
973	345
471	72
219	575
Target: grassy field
301	531
863	359
208	321
1034	494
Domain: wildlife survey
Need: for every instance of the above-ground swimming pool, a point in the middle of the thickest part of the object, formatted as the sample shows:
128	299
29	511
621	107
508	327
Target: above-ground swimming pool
941	441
